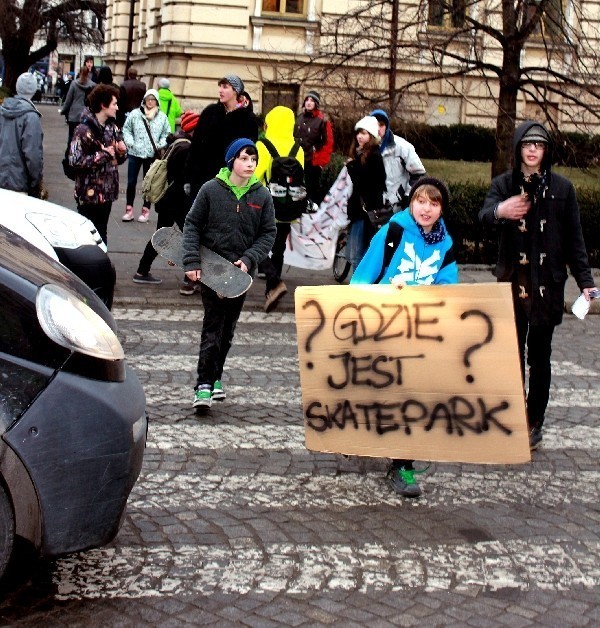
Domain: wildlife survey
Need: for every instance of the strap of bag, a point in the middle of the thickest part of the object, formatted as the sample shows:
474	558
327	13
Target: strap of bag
149	134
270	147
393	237
295	149
169	106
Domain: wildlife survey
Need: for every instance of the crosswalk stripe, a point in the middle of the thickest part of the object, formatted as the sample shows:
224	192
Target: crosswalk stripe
191	337
527	484
259	363
195	315
167	570
200	434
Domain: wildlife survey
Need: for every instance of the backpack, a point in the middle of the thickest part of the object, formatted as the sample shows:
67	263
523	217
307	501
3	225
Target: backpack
156	183
287	183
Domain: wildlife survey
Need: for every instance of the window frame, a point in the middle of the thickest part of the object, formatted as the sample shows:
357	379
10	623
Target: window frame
281	12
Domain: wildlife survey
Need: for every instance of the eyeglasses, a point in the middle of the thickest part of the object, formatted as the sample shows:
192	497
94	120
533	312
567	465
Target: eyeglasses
536	145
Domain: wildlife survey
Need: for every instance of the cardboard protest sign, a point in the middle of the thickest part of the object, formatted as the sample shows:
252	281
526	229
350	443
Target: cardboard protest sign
425	372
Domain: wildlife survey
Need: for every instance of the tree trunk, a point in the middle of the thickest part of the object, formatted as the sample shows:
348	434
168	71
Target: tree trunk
16	61
507	111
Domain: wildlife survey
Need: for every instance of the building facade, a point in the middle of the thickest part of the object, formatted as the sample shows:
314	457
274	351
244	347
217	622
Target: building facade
282	48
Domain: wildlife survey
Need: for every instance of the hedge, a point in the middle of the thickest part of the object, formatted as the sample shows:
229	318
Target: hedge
477	245
468	142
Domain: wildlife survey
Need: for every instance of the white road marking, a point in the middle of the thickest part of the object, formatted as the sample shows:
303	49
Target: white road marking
185	491
166	570
194	315
259	364
191	337
202	435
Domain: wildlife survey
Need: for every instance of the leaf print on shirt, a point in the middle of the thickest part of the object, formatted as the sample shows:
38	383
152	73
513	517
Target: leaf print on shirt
415	270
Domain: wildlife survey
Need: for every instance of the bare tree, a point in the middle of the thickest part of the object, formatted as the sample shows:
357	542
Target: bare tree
535	49
50	21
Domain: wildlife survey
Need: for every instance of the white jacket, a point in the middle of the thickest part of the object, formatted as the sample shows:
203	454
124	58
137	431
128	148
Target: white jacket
402	168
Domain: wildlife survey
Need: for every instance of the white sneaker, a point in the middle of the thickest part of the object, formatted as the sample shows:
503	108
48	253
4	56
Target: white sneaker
143	217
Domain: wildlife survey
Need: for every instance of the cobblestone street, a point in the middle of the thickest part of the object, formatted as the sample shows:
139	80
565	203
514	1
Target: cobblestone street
233	521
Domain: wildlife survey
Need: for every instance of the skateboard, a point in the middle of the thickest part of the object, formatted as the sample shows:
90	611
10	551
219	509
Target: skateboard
218	274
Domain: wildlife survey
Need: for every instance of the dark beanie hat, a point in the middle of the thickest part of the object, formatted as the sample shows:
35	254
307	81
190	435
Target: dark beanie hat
234	148
381	116
436	183
315	96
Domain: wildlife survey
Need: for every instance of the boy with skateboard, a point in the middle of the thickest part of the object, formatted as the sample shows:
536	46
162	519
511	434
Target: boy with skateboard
232	215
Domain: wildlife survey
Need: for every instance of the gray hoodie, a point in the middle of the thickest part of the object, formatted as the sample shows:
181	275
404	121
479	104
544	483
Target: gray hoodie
21	146
75	100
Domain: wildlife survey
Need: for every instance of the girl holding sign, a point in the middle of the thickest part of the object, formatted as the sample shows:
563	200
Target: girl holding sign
413	248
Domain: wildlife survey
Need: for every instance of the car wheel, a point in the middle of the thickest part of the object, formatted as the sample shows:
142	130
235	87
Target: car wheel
7	529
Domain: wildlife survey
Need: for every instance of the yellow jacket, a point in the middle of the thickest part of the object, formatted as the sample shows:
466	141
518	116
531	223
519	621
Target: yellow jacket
279	128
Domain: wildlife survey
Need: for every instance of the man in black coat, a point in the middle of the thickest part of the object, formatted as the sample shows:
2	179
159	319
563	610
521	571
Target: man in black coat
131	94
220	124
539	233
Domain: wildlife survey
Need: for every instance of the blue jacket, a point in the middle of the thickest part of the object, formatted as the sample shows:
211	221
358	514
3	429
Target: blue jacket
415	262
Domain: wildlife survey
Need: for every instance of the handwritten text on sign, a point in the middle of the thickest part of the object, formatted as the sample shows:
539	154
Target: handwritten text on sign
426	372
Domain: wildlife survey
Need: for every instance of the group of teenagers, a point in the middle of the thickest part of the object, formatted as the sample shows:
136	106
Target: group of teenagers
220	200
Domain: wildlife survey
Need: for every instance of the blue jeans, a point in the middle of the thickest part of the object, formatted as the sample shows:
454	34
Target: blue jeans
355	245
133	170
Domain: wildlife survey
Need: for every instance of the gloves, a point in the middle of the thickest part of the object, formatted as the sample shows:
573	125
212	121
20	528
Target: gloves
187	188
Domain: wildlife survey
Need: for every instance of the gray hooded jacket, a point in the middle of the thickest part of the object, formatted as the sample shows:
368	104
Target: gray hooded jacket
21	146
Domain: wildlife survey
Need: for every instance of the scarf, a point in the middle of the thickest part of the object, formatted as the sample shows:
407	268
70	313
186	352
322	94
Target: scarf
435	236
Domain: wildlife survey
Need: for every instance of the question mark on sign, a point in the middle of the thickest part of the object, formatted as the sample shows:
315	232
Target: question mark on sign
475	347
315	331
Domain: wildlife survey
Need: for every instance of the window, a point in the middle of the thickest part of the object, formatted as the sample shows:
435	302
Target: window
553	18
284	7
447	13
274	94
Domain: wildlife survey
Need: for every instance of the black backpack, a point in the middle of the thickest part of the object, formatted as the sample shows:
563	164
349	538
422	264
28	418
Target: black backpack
286	184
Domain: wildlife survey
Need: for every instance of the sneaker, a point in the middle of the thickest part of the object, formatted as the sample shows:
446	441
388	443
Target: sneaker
188	288
273	296
218	394
403	481
535	438
260	275
202	398
128	215
148	279
143	217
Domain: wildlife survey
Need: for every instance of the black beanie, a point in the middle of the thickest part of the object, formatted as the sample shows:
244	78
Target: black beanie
440	185
315	96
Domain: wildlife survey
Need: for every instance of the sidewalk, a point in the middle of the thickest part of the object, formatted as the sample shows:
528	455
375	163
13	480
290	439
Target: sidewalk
128	240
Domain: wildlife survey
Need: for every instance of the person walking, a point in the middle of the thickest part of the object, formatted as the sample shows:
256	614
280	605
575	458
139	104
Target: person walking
232	215
367	173
131	93
413	248
21	139
169	105
279	133
96	151
105	77
536	214
76	100
220	123
402	164
313	131
145	132
173	207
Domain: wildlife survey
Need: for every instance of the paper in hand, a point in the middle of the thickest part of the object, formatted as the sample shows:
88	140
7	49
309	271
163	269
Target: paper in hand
581	306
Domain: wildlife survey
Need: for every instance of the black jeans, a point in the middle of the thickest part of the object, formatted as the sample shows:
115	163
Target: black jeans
535	342
273	265
133	170
312	179
165	219
220	318
99	215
